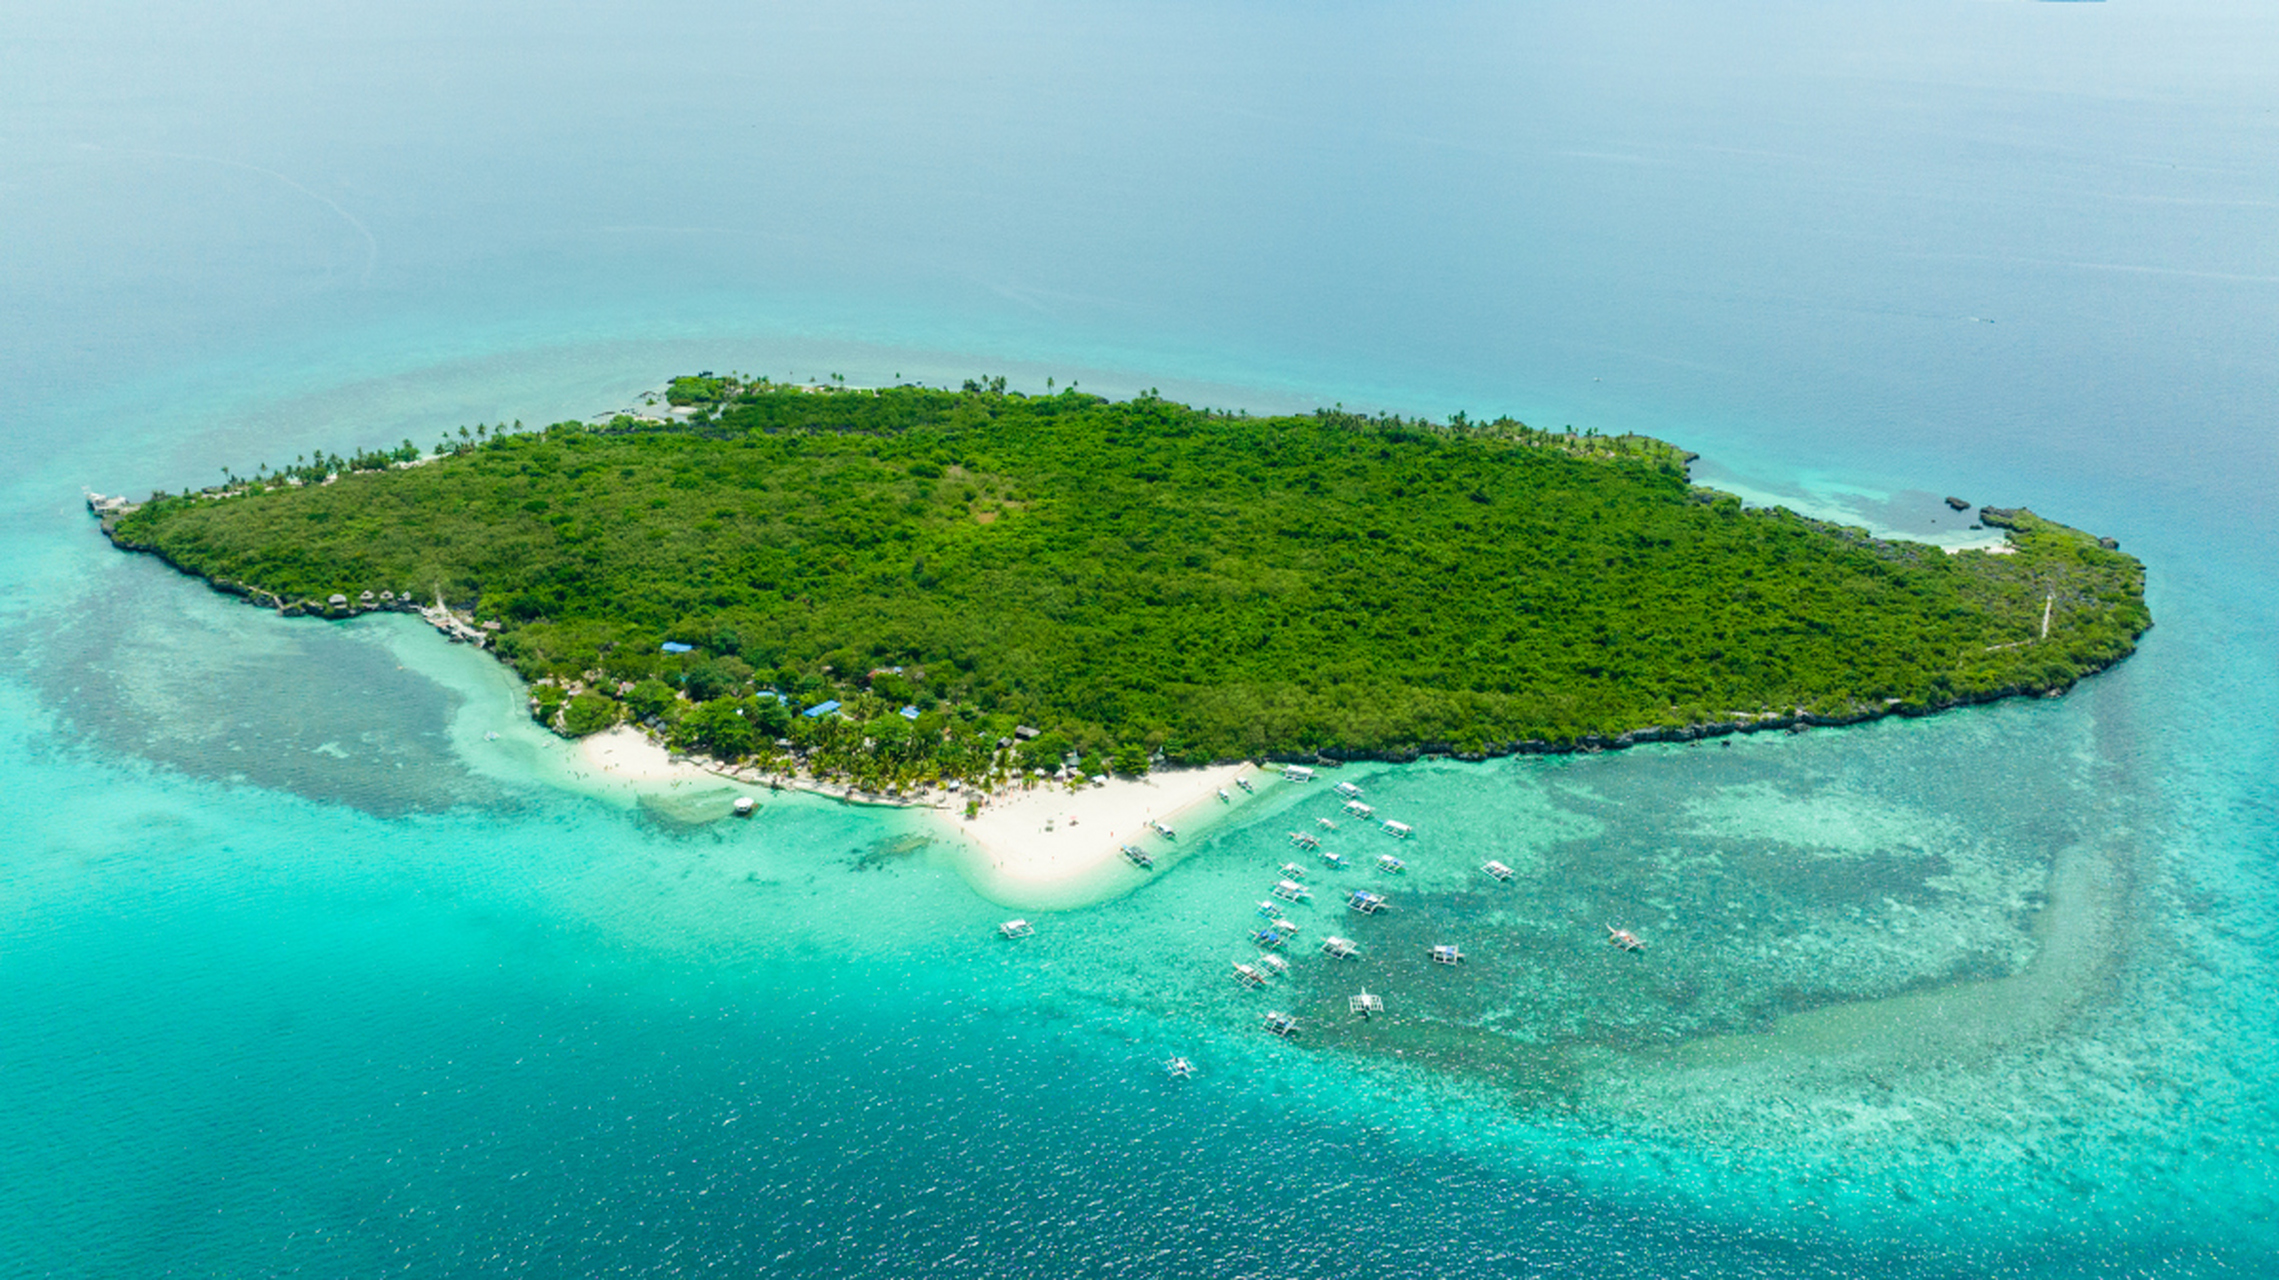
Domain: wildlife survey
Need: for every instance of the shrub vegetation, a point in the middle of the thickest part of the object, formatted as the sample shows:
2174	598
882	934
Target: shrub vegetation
1140	578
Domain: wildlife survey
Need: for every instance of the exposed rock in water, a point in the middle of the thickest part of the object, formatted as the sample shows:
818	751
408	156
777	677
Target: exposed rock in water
1957	503
2110	544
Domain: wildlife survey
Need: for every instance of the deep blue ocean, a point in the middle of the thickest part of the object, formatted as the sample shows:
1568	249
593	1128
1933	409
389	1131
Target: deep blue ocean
302	972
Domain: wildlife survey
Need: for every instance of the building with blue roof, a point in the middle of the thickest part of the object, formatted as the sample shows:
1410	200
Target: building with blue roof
675	646
820	710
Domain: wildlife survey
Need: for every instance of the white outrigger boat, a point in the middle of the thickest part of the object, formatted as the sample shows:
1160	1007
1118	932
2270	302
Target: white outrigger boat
1348	790
1498	870
1179	1069
1305	840
1290	891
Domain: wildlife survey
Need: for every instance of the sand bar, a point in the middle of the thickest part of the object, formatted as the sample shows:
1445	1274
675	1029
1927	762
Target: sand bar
1050	846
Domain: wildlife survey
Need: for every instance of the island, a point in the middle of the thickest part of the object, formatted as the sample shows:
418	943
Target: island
910	590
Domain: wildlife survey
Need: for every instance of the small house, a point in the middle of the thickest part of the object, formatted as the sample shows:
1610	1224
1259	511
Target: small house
821	709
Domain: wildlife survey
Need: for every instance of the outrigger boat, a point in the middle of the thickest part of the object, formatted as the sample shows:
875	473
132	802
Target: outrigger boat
1445	954
1244	783
1139	857
1161	830
1498	870
1289	891
1224	798
1267	938
1015	929
1367	903
1275	964
1399	829
1305	840
1267	910
1365	1004
1293	870
1359	810
1248	976
1348	790
1297	773
1337	948
1391	863
1281	1024
1336	860
1624	939
1179	1069
1325	824
1286	928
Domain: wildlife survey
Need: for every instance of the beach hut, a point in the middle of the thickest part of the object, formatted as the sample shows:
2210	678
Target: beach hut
1015	929
1337	948
1400	830
337	600
1446	954
1366	1004
1497	869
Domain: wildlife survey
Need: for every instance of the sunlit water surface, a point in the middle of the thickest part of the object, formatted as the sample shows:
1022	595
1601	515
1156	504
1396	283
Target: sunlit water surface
310	965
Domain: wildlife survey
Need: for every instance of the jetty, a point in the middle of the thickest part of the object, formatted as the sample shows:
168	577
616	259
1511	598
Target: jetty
1015	929
1497	869
1337	948
1366	1004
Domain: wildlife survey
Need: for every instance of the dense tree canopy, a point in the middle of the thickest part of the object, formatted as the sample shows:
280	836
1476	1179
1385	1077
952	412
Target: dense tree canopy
1144	574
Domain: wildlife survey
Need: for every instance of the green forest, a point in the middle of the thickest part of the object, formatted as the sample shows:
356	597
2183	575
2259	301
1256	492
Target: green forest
1139	579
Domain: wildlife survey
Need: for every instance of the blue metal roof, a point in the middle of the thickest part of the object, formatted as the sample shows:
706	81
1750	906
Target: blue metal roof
675	646
909	713
820	710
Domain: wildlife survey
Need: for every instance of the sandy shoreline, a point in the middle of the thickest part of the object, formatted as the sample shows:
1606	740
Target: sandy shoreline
1043	845
1050	846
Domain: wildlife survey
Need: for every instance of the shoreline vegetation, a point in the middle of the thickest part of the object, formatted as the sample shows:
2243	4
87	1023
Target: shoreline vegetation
915	595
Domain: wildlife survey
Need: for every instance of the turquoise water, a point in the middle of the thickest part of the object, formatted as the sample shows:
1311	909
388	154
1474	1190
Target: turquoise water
303	971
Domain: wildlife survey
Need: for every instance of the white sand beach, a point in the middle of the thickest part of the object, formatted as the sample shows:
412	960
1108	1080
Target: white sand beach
1051	847
626	754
